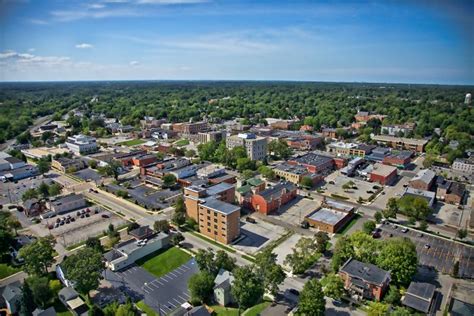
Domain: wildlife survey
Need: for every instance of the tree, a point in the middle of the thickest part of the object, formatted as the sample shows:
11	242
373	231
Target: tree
94	243
54	189
14	224
306	182
266	172
322	239
127	309
423	225
392	209
205	261
222	260
201	286
190	153
85	269
377	309
161	226
378	217
29	194
399	256
169	180
311	301
55	286
333	286
43	189
38	256
92	163
95	311
132	226
247	174
41	292
303	256
43	166
455	271
272	273
462	233
279	149
176	239
400	311
369	227
393	296
112	169
27	304
247	288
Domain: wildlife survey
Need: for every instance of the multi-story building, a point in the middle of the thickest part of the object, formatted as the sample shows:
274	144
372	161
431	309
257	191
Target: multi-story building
206	137
295	173
211	208
272	198
144	160
304	142
151	122
397	130
314	163
364	279
256	147
383	174
465	166
64	164
400	160
81	144
190	127
417	145
423	180
349	149
249	187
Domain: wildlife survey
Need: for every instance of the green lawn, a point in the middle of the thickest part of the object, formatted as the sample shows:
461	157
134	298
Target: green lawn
182	142
132	142
146	309
349	225
162	262
225	311
6	270
257	309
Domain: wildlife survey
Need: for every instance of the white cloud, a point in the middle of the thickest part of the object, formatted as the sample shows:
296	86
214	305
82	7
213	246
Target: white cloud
31	49
84	46
96	6
38	22
14	58
134	63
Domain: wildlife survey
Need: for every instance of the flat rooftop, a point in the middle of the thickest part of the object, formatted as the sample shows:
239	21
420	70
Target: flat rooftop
219	206
383	170
328	216
393	139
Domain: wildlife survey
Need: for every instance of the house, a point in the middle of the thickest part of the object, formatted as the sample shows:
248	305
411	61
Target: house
274	197
364	279
449	191
144	242
71	299
12	295
420	297
383	174
331	216
423	180
66	203
222	287
50	311
33	207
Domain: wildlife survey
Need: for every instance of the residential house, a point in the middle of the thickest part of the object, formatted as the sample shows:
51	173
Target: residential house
50	311
73	301
222	288
12	295
420	296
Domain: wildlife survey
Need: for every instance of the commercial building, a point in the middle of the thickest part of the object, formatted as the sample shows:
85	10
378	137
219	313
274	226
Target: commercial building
64	164
401	143
364	280
295	173
450	191
81	144
206	137
190	127
144	160
272	198
66	203
423	180
211	171
313	162
304	142
378	154
349	149
26	171
331	216
144	242
211	208
249	187
256	147
351	167
400	159
151	122
465	166
383	174
398	129
420	297
429	196
329	132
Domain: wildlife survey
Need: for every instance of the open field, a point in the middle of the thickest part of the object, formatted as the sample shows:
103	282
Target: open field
164	262
132	142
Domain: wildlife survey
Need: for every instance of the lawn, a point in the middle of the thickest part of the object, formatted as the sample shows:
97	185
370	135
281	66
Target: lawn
257	309
162	262
6	270
225	311
349	225
132	142
146	309
182	142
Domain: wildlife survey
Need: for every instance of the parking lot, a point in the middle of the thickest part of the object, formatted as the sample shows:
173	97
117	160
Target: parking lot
336	180
436	252
257	235
295	211
11	192
163	294
285	248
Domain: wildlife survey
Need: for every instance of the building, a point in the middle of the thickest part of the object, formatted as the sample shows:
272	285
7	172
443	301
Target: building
465	166
222	287
304	142
400	159
429	196
81	144
151	122
364	279
249	187
15	163
420	297
144	160
50	311
34	207
378	154
383	174
65	164
66	203
349	149
401	143
295	173
211	208
330	217
449	191
351	167
12	295
190	127
256	147
43	152
211	171
423	180
329	132
26	171
398	129
272	198
313	162
306	128
73	301
144	242
205	137
280	123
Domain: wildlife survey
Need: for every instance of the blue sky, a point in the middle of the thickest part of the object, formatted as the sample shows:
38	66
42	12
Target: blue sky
372	41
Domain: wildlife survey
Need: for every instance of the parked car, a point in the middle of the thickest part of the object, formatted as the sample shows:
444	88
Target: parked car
294	292
427	246
404	230
305	225
250	220
105	216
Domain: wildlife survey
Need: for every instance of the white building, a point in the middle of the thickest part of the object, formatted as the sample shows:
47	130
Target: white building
464	165
256	147
82	144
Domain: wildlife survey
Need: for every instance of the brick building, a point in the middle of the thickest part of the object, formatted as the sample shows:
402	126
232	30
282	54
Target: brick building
423	180
331	216
274	197
449	191
401	143
304	142
400	160
383	174
313	162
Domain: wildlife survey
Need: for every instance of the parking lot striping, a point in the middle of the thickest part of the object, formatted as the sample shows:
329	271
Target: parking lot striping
174	306
167	276
174	274
179	303
184	299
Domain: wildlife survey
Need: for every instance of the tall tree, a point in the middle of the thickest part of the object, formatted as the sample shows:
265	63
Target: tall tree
169	180
312	302
247	288
399	256
333	286
84	268
222	260
41	291
38	256
201	286
27	305
272	273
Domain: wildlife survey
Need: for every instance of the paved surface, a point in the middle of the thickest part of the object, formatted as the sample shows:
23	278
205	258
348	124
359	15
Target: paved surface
163	294
353	194
295	211
257	235
11	192
285	248
441	254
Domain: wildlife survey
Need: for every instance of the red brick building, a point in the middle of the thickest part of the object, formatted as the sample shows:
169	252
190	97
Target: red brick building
144	160
340	162
399	160
304	142
314	163
383	174
272	198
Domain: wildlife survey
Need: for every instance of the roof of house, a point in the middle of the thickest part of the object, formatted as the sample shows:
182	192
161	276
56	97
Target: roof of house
219	188
425	175
223	279
11	291
277	190
368	272
112	255
68	293
141	232
47	312
244	189
419	296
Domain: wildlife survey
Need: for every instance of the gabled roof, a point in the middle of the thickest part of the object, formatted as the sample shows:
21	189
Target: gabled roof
419	296
68	293
365	271
277	190
141	232
223	279
11	291
47	312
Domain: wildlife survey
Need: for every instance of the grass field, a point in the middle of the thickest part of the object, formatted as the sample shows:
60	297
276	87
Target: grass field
182	142
162	262
257	309
146	309
6	270
349	225
225	311
132	142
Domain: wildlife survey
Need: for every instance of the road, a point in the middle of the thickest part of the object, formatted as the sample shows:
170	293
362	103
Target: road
38	122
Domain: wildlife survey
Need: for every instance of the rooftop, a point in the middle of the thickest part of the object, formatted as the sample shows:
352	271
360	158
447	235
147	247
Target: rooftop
219	188
67	199
419	296
383	170
219	206
410	141
368	272
295	169
425	175
129	246
313	159
277	190
328	216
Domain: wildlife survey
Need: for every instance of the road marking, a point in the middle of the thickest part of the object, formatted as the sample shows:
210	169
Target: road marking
184	299
144	290
162	310
166	276
179	303
186	294
171	304
173	274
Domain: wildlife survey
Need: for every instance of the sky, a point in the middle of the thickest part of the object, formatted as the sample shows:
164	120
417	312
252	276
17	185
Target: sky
352	41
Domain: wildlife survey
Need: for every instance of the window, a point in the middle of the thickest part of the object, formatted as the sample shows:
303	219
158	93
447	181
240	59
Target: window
215	226
208	230
208	211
